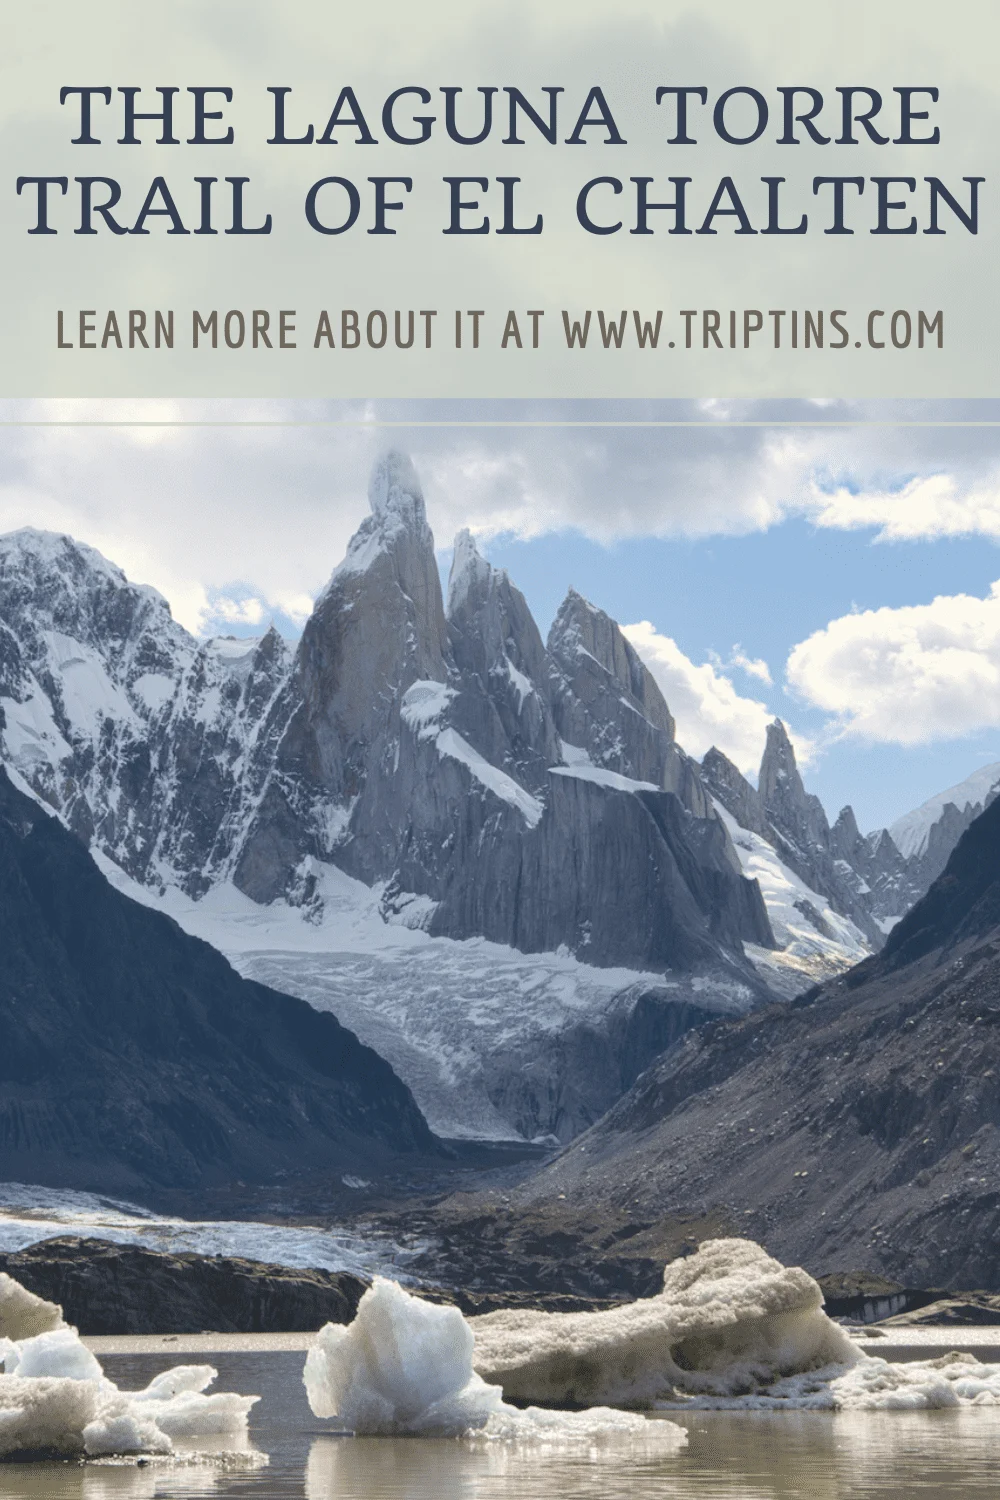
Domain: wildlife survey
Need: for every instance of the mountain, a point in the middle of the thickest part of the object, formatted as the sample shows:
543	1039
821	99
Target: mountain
857	1127
421	749
132	1056
866	880
926	836
416	764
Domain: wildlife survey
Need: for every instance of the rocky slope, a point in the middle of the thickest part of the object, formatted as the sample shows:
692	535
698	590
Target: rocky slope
859	1126
132	1056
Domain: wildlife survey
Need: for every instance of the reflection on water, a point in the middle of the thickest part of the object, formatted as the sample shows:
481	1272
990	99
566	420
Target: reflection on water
941	1455
731	1456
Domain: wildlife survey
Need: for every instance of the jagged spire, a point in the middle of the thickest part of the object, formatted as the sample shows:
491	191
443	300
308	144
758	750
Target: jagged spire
394	489
468	568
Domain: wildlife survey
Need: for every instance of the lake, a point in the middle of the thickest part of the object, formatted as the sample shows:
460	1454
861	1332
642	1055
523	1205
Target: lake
939	1455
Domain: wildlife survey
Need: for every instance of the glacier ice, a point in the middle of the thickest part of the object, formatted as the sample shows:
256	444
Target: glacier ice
733	1328
402	1366
405	1367
55	1397
729	1320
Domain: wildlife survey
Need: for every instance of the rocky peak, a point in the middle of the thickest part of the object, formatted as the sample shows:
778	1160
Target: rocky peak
796	814
394	492
585	640
52	587
502	705
730	787
471	576
845	835
604	699
779	781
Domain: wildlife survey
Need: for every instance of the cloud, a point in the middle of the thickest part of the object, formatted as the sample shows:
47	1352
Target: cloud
236	611
909	675
925	509
708	709
753	666
220	506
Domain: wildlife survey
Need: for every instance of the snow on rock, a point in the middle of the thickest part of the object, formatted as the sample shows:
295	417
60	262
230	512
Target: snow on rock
29	1214
450	743
423	705
405	1366
56	1399
911	832
814	941
601	777
448	1014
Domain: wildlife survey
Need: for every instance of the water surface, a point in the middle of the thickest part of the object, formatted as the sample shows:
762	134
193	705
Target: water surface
941	1455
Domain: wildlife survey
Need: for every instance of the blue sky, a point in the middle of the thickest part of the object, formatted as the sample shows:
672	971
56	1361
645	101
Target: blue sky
829	562
765	592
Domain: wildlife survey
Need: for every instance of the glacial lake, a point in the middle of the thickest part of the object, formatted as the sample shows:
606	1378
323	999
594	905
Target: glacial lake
939	1455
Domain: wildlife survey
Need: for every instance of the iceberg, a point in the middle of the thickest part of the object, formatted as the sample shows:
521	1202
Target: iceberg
56	1400
404	1367
732	1328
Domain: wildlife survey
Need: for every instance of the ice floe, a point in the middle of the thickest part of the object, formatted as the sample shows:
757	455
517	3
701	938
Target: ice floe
405	1367
56	1400
733	1328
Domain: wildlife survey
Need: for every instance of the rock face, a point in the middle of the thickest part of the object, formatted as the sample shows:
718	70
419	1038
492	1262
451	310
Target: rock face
859	1126
486	782
133	1056
866	880
105	1288
489	784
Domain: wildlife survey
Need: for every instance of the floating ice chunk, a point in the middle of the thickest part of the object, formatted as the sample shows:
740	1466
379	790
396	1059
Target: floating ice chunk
872	1384
59	1353
731	1329
22	1314
190	1415
405	1366
177	1381
55	1397
45	1415
402	1366
728	1321
120	1429
595	1428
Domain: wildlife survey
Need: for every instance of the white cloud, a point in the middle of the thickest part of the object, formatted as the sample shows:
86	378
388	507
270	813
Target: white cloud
924	509
236	611
908	675
753	666
708	709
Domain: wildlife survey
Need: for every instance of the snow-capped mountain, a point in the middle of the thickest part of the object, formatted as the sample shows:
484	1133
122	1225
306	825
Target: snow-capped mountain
481	783
865	880
927	835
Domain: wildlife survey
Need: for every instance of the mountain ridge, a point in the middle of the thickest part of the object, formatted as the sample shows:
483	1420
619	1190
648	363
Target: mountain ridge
196	763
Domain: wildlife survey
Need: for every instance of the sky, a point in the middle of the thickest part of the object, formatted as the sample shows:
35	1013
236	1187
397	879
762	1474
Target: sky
832	563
